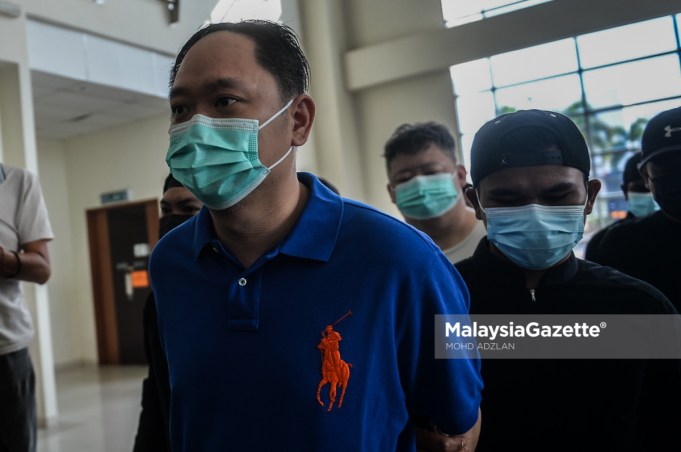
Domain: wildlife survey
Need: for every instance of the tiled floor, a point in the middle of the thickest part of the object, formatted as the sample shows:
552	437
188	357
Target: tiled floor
98	410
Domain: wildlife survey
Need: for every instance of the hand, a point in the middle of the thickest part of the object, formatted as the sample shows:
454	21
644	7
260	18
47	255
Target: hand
2	262
431	440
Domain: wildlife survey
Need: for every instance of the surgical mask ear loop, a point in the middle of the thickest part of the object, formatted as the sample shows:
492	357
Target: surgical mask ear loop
281	159
477	195
283	109
276	114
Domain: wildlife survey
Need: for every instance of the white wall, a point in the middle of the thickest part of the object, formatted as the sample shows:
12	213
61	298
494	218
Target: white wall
353	125
73	174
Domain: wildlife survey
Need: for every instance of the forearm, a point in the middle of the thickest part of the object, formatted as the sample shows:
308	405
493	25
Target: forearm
31	264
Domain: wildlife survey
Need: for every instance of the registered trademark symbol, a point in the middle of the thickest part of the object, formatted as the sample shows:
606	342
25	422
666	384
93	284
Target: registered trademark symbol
603	324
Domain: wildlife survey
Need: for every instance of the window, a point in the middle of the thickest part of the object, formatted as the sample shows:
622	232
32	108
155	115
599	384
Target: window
610	91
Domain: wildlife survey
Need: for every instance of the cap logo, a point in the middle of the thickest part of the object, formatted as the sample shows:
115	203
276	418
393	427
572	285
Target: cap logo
669	130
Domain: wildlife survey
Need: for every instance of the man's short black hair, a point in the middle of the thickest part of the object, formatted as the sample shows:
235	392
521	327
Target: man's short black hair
171	182
413	138
277	49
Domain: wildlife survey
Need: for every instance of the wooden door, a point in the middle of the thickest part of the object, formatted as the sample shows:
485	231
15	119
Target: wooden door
121	237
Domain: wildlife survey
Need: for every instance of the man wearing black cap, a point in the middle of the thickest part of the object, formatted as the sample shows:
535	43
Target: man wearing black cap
649	248
640	202
177	206
530	187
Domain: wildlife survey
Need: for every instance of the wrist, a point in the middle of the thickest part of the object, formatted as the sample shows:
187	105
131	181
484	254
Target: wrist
18	265
9	267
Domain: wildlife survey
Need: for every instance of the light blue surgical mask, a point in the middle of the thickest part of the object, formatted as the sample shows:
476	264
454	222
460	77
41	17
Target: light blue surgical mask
641	204
426	197
535	237
217	158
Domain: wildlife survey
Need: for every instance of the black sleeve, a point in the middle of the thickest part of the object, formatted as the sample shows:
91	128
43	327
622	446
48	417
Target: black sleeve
152	431
659	413
659	408
591	252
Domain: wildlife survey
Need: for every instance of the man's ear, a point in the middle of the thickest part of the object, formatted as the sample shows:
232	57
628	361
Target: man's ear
593	187
461	174
391	192
644	175
472	197
303	109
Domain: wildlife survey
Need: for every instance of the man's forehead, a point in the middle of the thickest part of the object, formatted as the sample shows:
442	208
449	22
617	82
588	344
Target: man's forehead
176	193
423	159
222	54
670	160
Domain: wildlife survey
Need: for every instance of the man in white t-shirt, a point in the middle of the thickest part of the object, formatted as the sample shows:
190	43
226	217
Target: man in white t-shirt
426	182
24	233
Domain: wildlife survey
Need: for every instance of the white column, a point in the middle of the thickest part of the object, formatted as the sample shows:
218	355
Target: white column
17	135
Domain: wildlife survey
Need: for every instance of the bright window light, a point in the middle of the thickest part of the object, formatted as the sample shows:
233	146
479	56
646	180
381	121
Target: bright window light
459	12
237	10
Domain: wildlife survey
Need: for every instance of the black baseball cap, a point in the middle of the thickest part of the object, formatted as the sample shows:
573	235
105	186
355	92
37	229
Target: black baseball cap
171	182
528	138
631	173
661	135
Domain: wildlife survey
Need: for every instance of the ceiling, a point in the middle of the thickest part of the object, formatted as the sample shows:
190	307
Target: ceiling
66	108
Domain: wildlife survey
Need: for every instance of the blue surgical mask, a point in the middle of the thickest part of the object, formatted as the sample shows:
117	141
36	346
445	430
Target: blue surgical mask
535	237
641	204
217	158
425	197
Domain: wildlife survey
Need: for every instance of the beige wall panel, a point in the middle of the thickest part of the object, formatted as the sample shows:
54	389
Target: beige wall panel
131	156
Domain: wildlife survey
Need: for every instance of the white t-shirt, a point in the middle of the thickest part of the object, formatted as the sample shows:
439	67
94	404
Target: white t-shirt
23	219
466	248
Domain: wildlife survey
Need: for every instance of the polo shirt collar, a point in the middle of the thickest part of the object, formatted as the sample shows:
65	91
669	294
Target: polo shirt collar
314	235
489	263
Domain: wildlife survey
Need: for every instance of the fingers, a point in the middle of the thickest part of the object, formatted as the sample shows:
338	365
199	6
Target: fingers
431	441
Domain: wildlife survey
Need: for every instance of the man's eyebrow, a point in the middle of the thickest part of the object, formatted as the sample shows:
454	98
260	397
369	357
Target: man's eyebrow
560	187
226	82
501	192
424	166
177	91
186	201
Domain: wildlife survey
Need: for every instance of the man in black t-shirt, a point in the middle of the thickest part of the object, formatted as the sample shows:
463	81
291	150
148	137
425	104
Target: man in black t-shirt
531	189
640	203
649	248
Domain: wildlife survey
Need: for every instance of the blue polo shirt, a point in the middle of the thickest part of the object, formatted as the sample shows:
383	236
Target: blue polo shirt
244	345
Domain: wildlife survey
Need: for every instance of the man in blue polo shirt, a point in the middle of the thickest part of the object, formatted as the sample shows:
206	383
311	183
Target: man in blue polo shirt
292	319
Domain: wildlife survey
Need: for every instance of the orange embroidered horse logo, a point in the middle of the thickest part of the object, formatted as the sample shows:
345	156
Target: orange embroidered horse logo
335	371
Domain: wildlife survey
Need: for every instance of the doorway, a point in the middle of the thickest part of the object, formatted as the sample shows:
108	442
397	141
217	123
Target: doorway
121	237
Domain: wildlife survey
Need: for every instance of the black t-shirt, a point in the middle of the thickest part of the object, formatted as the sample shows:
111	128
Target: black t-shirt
648	249
547	405
152	430
595	241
